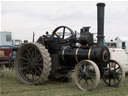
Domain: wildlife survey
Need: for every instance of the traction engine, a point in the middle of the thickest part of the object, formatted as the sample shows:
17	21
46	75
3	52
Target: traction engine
56	56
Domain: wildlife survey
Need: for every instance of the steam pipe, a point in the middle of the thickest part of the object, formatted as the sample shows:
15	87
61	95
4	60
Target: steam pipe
100	23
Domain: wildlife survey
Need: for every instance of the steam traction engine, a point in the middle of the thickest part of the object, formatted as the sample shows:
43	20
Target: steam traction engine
55	56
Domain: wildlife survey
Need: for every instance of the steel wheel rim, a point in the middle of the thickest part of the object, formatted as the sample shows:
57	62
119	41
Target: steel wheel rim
86	82
30	63
113	74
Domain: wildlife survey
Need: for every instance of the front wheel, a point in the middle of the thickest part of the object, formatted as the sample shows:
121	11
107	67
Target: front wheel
114	74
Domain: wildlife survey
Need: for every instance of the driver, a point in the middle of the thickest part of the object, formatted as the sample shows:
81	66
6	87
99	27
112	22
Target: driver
47	34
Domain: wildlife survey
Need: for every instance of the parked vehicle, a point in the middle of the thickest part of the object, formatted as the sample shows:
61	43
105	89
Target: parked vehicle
8	48
119	55
5	55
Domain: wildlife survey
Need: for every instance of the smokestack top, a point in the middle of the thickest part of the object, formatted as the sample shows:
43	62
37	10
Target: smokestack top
100	4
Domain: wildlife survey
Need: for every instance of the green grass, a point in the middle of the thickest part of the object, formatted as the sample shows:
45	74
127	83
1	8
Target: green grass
10	86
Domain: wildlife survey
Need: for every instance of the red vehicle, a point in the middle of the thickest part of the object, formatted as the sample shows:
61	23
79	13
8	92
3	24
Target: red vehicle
5	55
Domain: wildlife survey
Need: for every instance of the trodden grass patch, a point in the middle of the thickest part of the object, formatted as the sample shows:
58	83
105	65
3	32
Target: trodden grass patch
10	86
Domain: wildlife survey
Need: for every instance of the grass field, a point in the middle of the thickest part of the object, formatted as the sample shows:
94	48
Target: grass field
10	86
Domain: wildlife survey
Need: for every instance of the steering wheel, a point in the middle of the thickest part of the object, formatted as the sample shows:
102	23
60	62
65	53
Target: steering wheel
64	28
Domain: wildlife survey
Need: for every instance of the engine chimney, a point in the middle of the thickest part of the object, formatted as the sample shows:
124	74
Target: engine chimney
100	23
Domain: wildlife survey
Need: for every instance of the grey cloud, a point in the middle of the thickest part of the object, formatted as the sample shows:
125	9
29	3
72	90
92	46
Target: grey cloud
22	18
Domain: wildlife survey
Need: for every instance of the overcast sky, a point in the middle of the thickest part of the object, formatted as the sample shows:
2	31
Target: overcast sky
22	18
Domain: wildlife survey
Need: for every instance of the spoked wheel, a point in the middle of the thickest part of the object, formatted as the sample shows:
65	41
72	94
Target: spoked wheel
87	75
114	74
32	63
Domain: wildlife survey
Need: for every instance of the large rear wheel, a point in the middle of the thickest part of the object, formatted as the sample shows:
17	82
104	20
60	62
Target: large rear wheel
33	63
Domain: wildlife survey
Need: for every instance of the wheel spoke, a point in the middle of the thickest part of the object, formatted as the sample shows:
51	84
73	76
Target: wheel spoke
34	74
40	68
24	68
39	64
84	68
23	58
109	81
37	71
86	82
87	66
30	70
33	52
63	32
28	58
28	52
91	79
92	73
27	71
80	79
81	69
25	63
117	68
38	57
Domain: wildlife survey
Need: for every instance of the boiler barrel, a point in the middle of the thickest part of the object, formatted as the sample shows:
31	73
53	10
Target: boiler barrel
75	55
